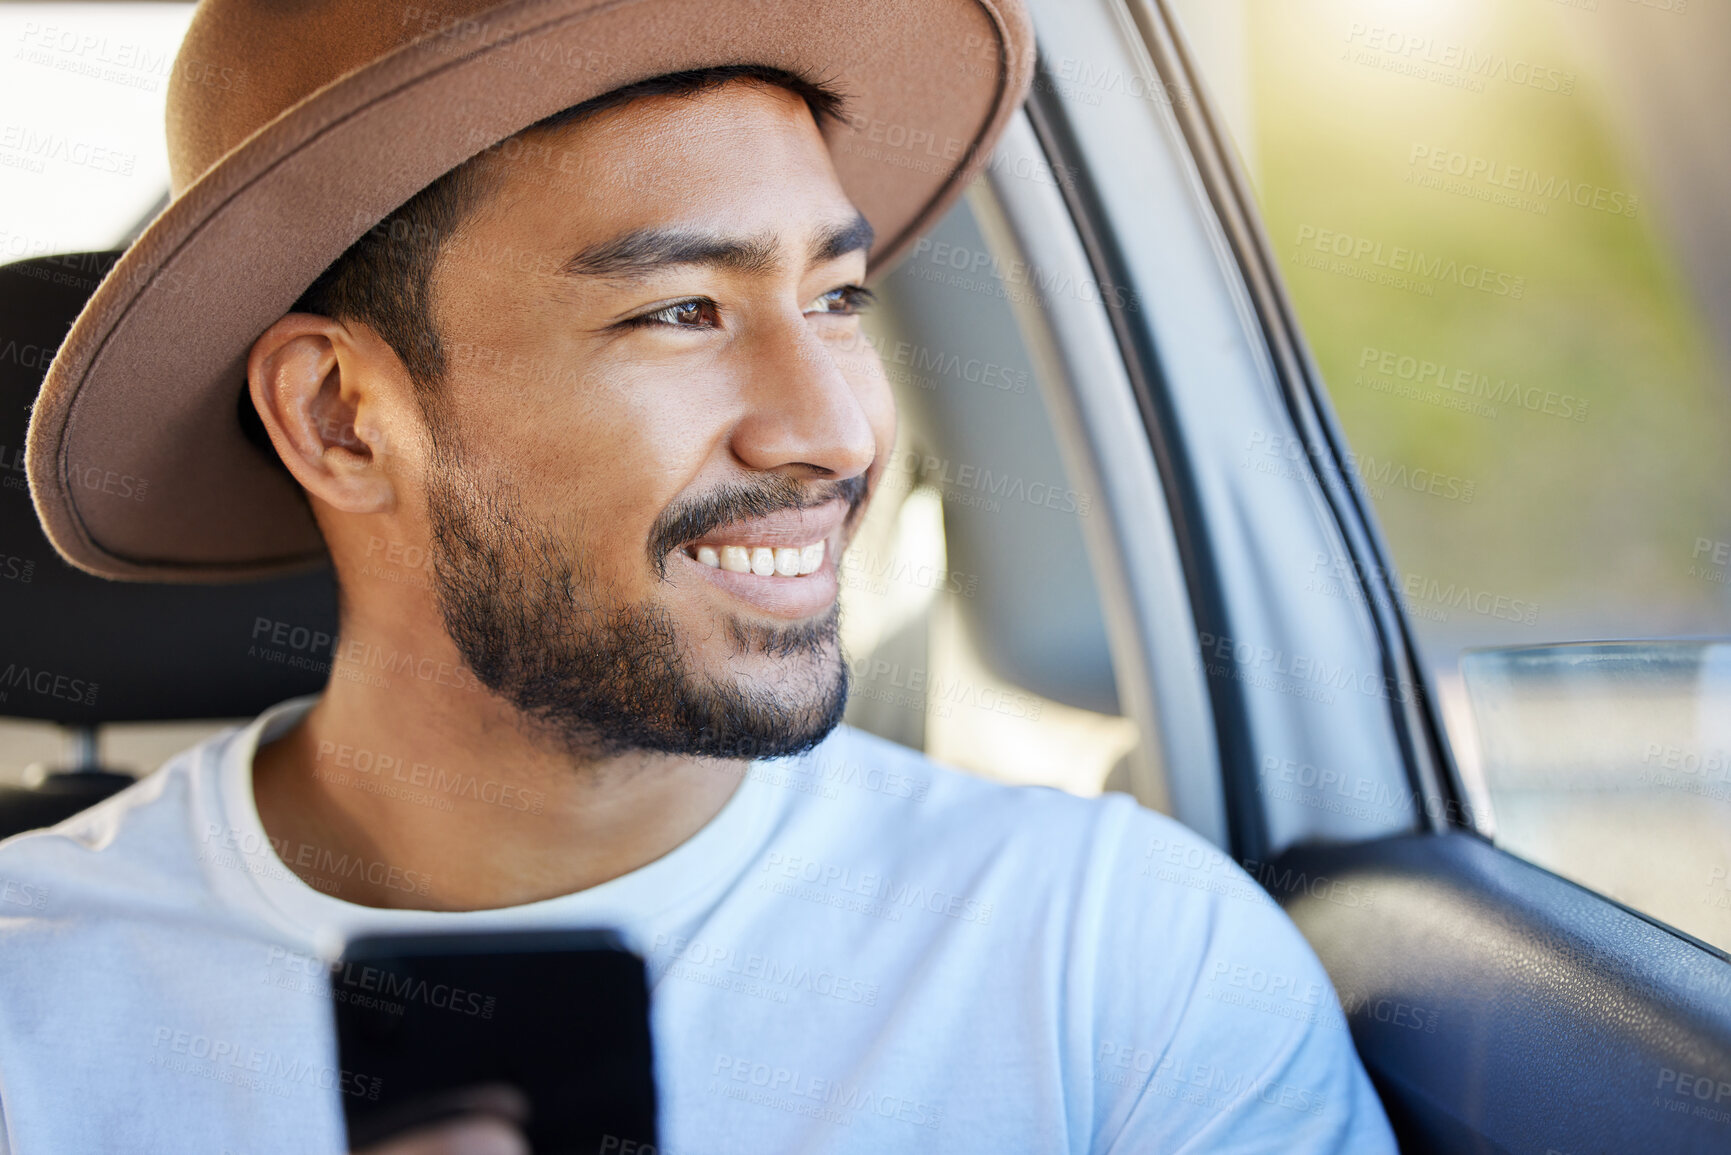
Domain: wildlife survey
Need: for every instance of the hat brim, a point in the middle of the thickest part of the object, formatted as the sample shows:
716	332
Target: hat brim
136	459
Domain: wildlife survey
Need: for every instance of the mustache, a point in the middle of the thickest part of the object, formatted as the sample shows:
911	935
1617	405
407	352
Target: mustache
693	517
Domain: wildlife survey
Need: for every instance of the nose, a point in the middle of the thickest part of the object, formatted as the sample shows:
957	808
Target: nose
807	409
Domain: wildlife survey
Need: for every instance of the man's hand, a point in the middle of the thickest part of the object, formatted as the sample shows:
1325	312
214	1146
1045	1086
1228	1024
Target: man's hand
489	1126
481	1135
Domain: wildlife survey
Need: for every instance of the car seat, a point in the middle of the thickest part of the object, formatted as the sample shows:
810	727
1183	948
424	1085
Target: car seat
82	651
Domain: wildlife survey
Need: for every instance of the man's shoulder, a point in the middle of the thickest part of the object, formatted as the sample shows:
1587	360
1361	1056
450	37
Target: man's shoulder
139	845
901	801
909	786
914	817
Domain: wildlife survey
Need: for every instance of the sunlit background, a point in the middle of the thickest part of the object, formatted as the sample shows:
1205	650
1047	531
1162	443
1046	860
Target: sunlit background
83	157
1581	151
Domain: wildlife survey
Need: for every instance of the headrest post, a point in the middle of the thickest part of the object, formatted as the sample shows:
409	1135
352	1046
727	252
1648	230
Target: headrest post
81	749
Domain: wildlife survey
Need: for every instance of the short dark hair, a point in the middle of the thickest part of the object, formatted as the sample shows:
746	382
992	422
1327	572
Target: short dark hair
385	279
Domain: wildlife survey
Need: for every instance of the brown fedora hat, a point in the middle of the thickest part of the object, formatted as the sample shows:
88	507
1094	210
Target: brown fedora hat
294	128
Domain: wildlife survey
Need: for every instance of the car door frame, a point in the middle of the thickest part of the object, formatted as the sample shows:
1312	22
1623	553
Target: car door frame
1550	1017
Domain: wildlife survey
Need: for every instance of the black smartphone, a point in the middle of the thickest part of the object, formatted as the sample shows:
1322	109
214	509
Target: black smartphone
561	1016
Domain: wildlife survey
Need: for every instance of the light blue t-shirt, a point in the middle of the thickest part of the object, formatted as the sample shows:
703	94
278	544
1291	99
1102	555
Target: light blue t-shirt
862	952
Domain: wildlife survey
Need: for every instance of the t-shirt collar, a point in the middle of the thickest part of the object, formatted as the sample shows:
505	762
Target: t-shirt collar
697	869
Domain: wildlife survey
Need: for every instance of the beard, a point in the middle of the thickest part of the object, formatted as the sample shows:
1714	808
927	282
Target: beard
599	679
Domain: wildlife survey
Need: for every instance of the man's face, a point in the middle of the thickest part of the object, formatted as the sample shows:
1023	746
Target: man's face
653	366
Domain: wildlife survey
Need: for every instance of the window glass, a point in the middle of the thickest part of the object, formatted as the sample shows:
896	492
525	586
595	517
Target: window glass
970	614
1501	224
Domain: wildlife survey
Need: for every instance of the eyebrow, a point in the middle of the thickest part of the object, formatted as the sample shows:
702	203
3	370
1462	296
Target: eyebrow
647	250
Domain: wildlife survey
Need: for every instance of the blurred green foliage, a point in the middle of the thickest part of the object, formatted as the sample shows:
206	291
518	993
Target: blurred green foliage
1593	520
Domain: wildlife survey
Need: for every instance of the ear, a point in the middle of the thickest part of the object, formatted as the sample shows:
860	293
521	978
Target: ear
326	392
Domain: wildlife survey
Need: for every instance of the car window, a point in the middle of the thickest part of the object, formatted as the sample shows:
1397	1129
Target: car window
969	606
971	623
1501	228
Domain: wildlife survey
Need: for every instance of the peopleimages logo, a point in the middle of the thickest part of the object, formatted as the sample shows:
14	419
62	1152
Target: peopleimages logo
731	968
1288	456
1297	674
1402	266
1471	383
255	1068
407	988
257	853
1174	1076
797	1091
383	768
1424	57
953	478
983	270
893	894
24	894
46	684
1517	186
41	147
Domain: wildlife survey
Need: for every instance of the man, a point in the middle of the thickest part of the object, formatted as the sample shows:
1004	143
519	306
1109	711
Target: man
607	375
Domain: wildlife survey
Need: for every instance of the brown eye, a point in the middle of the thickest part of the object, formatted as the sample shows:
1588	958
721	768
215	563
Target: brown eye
698	312
846	300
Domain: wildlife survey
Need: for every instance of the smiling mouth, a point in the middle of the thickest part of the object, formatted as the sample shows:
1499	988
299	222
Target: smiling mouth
781	561
790	543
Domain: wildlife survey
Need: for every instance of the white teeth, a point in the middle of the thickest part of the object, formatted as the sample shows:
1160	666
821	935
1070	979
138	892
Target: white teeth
785	561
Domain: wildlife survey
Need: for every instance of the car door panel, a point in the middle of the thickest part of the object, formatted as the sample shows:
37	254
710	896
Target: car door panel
1498	1007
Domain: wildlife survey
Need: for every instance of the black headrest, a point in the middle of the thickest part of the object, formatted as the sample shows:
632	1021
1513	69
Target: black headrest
83	650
